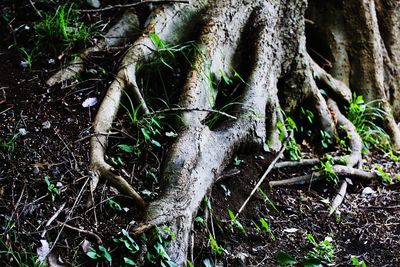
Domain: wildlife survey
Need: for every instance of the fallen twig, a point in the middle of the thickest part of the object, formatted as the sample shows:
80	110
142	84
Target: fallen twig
341	171
89	233
270	167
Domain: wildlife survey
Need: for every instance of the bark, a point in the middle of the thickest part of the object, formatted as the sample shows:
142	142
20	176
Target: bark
356	48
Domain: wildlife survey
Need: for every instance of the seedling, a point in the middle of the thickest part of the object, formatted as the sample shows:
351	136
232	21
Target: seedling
215	248
322	251
114	205
237	161
266	228
326	165
117	161
28	58
51	188
384	176
292	149
322	254
162	238
235	222
101	254
226	190
267	199
357	263
130	244
326	140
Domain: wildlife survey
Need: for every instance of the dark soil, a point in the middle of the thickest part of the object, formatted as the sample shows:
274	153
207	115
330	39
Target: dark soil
49	132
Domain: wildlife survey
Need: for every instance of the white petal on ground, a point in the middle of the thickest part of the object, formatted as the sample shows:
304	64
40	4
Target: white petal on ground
89	102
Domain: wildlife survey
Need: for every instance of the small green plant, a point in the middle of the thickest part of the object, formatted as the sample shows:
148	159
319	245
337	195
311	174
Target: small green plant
266	228
326	165
237	161
113	204
292	149
101	254
326	140
152	173
321	254
148	127
235	222
357	263
307	116
215	248
62	28
365	117
267	199
12	252
163	236
323	251
53	190
27	56
384	176
8	145
131	245
117	161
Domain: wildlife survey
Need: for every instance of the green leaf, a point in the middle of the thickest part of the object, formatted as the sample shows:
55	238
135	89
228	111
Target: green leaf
199	219
92	254
106	254
232	215
284	259
126	148
156	143
128	261
311	263
146	134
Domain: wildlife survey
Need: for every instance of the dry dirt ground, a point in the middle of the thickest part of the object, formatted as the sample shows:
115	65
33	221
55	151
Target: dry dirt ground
50	129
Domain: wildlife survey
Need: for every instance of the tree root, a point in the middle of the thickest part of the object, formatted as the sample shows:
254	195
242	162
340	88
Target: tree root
337	201
341	171
120	33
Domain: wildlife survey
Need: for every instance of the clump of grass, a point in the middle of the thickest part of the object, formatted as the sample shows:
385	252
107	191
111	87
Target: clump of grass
365	116
62	29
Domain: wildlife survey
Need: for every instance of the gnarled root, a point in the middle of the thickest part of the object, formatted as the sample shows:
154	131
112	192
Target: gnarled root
120	33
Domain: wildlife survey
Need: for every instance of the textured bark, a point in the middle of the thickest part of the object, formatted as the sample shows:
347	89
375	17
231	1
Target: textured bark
355	48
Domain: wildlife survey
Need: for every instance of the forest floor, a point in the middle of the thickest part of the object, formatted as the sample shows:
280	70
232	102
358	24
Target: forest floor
44	186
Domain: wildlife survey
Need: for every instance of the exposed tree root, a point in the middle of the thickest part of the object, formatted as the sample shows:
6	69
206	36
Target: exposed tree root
341	171
120	33
337	201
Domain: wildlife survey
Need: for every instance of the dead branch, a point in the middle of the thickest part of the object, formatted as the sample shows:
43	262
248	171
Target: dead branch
270	167
341	171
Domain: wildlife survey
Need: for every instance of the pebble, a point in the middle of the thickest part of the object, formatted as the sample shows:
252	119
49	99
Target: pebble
36	171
